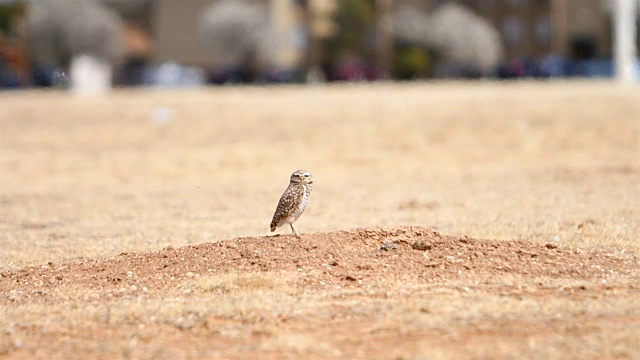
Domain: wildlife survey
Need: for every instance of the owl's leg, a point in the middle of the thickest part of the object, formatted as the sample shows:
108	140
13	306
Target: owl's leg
293	228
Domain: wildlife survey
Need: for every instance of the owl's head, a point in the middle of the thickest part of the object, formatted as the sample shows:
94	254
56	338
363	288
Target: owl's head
301	177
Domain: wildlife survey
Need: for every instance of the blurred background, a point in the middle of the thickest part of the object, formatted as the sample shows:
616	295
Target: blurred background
98	43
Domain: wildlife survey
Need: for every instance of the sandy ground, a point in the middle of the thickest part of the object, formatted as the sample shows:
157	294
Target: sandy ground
99	196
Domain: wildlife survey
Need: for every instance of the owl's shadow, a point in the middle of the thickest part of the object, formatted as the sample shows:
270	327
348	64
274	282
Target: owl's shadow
282	235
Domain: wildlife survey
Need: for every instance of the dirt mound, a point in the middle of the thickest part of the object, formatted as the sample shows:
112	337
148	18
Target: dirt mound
347	258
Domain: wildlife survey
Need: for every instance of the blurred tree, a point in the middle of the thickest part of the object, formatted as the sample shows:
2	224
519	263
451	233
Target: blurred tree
239	35
62	29
354	33
411	62
466	39
460	38
14	66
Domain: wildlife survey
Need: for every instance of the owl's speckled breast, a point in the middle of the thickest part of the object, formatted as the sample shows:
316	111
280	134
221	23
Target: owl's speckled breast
304	192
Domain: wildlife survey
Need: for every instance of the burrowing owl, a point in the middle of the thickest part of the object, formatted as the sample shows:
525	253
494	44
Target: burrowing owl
294	200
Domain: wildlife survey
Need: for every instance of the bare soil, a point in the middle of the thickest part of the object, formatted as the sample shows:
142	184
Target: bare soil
322	260
421	260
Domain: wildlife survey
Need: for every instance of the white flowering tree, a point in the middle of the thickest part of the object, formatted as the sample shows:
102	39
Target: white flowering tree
458	35
238	34
81	35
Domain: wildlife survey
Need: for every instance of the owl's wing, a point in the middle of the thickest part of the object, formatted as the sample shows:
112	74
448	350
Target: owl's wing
288	201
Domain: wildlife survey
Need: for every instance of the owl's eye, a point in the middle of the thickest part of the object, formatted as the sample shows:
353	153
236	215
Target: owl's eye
306	175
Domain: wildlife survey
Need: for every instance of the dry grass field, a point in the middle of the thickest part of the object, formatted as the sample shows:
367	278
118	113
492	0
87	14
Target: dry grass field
136	226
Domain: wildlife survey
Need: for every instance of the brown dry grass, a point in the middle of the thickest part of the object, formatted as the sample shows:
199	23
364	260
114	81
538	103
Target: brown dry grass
258	315
518	161
533	161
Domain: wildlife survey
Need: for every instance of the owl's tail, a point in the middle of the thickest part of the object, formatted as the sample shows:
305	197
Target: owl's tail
273	225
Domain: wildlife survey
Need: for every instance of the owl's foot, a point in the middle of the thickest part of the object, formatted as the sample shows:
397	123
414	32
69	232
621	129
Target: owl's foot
293	228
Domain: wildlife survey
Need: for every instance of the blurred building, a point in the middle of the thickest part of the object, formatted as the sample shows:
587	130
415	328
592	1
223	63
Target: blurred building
161	31
175	29
531	28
